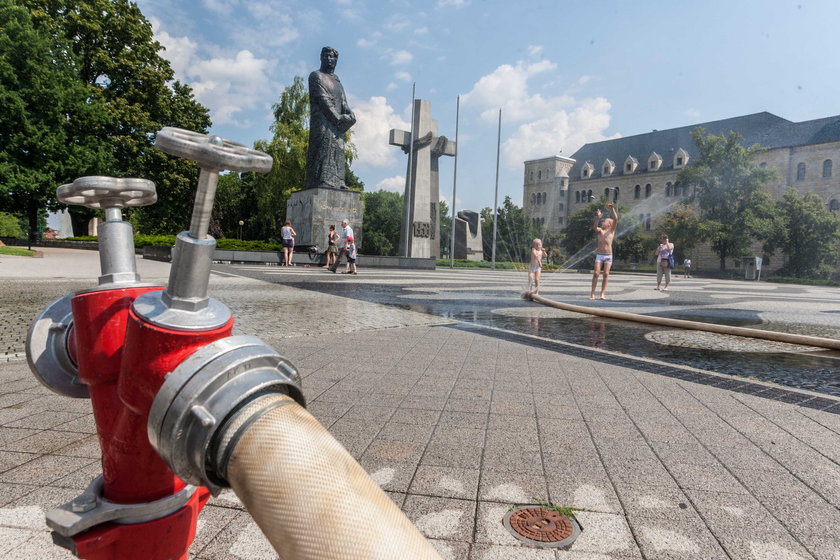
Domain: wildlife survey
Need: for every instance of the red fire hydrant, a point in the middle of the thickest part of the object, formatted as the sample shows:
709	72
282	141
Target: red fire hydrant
116	344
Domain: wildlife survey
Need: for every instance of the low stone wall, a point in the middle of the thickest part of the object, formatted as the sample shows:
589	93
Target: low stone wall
226	256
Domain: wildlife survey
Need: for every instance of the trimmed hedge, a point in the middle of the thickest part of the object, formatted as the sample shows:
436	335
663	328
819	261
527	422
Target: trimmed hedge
141	241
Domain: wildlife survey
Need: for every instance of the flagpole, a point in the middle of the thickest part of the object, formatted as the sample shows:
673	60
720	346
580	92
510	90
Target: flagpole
496	199
454	183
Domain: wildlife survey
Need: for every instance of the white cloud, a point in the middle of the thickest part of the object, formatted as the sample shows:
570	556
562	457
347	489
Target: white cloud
454	3
227	85
421	31
403	76
565	130
693	113
394	184
374	120
543	125
534	50
400	57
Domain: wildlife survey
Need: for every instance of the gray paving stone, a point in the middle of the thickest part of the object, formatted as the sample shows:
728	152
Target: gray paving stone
445	482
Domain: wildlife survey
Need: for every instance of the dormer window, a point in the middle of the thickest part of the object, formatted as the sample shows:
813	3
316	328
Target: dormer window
587	170
654	162
630	165
680	159
608	167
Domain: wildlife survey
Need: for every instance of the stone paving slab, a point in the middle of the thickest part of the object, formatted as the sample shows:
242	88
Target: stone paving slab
459	425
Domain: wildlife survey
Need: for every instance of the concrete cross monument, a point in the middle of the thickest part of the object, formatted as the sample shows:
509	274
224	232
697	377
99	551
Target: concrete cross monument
423	191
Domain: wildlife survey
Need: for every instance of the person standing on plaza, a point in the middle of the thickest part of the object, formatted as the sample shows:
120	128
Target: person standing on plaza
664	255
332	249
687	268
351	256
287	234
535	266
346	232
603	253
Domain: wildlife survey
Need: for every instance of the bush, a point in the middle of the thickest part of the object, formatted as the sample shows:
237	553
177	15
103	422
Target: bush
10	226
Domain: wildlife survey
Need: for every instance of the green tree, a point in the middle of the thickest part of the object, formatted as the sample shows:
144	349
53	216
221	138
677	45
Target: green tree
808	233
10	225
382	219
682	226
725	181
119	62
514	235
46	119
445	228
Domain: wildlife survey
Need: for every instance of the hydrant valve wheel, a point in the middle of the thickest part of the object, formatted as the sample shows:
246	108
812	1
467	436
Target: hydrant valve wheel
212	152
108	192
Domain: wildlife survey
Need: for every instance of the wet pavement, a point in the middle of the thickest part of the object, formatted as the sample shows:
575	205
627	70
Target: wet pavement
462	295
462	400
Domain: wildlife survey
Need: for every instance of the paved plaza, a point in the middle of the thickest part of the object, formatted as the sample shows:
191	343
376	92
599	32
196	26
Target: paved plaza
462	400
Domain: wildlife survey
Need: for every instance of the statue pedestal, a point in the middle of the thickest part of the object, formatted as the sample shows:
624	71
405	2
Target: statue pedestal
313	211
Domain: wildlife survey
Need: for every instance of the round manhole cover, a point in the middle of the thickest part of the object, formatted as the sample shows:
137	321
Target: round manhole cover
541	526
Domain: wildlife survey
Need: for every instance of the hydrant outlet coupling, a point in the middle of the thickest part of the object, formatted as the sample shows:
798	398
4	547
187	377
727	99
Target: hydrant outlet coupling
48	350
198	397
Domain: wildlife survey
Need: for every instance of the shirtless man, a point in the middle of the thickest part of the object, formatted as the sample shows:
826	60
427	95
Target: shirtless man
603	256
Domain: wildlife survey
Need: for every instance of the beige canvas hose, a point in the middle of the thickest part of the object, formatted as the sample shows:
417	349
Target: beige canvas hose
309	496
789	338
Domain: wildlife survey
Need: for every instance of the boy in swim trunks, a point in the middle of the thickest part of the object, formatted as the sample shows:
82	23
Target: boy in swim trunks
535	266
603	256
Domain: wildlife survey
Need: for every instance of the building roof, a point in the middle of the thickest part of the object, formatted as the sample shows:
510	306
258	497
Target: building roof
763	128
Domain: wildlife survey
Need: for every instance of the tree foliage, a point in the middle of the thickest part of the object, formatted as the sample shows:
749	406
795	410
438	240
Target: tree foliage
47	116
514	235
726	182
683	228
808	233
382	218
130	95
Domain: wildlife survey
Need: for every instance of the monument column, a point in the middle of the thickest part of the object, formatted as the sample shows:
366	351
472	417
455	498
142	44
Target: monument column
423	193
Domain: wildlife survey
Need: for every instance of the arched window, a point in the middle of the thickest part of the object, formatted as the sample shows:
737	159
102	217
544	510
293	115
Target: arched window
539	175
677	189
647	222
668	188
827	169
545	197
577	197
637	191
834	205
647	190
607	193
800	172
532	176
562	207
615	194
589	195
533	198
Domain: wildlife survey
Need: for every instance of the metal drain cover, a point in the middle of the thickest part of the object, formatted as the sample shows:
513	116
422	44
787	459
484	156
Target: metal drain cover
539	526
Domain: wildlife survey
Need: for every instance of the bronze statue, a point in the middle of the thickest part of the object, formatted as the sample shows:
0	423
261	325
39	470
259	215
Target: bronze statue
330	118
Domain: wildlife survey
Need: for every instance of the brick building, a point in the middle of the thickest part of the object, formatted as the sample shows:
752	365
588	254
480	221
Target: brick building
639	172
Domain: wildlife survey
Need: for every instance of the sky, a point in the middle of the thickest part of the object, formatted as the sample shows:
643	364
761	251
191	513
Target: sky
563	73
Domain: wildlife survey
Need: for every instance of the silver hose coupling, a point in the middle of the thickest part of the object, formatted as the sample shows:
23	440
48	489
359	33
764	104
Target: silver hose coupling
184	304
198	398
47	350
116	237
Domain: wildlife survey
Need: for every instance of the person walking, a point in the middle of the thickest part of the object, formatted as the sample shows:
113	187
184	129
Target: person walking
332	249
664	260
603	254
346	232
351	256
287	234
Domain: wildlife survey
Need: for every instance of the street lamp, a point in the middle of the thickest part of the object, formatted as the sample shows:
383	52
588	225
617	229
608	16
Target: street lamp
241	223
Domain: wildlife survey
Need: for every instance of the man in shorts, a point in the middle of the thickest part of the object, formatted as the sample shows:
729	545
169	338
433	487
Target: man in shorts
603	255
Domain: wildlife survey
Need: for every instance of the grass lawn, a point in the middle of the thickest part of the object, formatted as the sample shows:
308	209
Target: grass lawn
17	251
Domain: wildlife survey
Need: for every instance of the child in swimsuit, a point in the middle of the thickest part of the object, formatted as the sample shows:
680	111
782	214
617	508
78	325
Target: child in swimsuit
535	266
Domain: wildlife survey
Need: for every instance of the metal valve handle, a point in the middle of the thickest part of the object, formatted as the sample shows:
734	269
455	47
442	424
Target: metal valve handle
116	238
108	192
211	152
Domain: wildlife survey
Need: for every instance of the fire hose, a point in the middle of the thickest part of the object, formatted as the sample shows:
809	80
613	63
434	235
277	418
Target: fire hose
183	409
789	338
